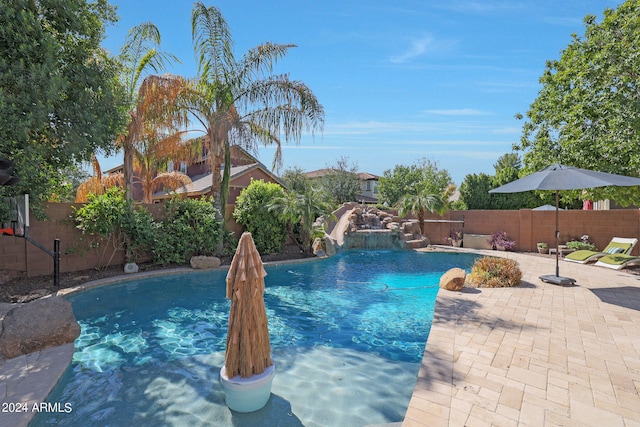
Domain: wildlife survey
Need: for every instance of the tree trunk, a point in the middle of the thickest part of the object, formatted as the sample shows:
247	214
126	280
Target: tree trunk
128	169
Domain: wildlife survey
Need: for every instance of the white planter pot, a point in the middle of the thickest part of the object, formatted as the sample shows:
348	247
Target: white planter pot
247	394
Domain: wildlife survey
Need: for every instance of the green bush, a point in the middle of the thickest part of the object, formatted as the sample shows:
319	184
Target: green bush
108	224
267	227
489	272
189	228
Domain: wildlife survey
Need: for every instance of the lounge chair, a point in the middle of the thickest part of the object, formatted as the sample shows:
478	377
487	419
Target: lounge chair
618	261
617	245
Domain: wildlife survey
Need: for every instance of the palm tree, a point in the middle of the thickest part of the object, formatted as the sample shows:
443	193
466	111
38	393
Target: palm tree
138	56
419	202
97	184
161	124
241	102
300	210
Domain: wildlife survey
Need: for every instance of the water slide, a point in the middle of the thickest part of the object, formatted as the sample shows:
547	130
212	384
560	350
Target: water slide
342	222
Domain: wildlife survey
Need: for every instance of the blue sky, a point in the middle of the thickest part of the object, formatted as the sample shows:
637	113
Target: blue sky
399	81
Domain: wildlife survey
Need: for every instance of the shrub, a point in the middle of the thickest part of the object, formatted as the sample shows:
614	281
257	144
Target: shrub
489	272
189	228
109	224
266	226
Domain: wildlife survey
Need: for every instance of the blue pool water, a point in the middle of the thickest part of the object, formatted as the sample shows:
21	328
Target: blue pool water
347	336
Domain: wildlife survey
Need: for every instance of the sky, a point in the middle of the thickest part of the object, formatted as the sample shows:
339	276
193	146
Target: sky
399	80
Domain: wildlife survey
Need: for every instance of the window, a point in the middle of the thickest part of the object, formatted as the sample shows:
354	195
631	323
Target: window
368	185
375	187
183	167
170	166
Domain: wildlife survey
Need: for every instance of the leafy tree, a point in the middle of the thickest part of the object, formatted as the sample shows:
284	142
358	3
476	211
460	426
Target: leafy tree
139	57
242	101
59	95
508	160
394	185
268	228
474	191
296	180
300	211
342	184
587	113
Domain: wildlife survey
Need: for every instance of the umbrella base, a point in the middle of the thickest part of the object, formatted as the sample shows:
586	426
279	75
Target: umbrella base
247	394
557	280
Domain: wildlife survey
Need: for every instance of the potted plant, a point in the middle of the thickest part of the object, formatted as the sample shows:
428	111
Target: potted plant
499	240
543	248
581	244
455	237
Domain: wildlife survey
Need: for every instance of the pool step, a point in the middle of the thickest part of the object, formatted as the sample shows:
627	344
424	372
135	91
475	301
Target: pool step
417	243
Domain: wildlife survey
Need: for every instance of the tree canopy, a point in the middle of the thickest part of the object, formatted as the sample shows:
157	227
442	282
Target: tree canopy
60	100
402	180
587	113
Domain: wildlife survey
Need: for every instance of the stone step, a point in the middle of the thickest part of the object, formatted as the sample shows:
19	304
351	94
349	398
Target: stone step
408	236
418	243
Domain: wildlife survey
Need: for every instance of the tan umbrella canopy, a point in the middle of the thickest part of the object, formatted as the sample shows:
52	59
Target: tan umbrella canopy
248	349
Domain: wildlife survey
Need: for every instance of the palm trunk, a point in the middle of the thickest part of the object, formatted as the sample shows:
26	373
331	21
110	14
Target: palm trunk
128	169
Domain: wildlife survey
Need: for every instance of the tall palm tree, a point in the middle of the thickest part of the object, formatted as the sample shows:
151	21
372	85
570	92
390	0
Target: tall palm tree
161	124
241	101
138	57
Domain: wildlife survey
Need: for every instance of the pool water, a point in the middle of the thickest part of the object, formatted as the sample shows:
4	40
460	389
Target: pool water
347	336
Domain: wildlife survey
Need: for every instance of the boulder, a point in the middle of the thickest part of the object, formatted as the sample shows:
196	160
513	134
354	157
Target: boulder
411	227
453	280
329	245
201	262
44	323
393	226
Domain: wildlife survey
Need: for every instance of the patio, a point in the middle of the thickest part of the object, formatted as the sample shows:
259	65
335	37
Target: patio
537	355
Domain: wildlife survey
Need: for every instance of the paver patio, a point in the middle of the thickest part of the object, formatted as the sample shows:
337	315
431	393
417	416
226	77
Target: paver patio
535	355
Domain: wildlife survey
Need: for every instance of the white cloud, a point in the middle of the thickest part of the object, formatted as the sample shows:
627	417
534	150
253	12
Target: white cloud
458	112
418	48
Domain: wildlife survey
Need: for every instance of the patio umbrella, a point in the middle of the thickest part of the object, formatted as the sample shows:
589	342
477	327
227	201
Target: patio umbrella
248	350
559	177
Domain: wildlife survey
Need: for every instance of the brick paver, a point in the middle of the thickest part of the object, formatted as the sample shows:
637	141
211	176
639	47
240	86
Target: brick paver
535	355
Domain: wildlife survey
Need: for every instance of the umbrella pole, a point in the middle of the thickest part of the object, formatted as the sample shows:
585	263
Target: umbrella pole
557	239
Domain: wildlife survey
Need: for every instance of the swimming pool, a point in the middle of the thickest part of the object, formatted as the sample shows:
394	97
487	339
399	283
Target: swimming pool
347	336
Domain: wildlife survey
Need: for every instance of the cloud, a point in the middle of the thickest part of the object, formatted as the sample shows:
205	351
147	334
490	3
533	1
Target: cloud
458	112
421	46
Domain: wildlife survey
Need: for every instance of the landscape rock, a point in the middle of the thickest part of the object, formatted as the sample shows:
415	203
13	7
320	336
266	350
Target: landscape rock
411	227
201	262
38	325
453	280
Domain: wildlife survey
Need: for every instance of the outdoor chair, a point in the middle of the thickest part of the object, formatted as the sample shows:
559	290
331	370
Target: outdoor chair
618	261
617	245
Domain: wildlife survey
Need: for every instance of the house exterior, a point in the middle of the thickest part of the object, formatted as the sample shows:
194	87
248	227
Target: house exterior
244	168
368	184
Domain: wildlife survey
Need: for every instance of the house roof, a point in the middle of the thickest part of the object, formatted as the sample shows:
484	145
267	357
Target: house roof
201	184
365	176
